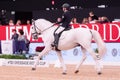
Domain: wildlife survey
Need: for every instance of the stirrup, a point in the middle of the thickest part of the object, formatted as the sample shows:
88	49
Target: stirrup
53	45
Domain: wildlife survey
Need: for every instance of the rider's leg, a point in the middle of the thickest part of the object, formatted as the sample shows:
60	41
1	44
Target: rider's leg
56	39
57	35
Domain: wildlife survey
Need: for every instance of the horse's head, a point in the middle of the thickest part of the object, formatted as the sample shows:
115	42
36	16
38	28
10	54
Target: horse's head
35	30
39	26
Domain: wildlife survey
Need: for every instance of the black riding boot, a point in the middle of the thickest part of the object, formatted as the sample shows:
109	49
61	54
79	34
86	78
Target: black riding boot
56	40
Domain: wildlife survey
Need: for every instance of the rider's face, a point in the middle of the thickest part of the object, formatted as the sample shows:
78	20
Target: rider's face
64	9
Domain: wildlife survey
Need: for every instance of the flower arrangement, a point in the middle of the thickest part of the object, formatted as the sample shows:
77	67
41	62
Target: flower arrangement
97	55
96	50
6	56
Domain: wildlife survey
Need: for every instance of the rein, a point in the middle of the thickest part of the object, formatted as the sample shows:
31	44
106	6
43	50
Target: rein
47	28
35	28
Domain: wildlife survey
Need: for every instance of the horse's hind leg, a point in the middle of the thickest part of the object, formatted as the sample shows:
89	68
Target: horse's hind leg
62	62
93	54
82	60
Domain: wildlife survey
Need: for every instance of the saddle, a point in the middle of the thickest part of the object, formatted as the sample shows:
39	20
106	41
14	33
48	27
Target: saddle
56	39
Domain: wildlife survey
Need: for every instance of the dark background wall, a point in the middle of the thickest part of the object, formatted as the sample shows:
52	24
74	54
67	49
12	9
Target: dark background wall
52	15
28	9
30	5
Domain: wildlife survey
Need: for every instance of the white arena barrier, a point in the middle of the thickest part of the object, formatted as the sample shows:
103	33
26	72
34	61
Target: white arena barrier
73	56
22	62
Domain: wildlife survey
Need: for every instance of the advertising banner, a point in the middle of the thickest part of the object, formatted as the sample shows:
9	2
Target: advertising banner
73	56
110	32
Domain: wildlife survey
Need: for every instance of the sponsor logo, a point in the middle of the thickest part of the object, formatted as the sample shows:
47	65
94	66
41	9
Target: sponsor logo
75	52
114	52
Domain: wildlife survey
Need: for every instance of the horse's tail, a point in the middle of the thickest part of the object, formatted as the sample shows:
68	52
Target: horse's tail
101	45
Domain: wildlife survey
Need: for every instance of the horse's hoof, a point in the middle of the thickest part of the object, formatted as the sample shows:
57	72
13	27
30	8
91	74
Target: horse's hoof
64	73
76	71
99	73
33	69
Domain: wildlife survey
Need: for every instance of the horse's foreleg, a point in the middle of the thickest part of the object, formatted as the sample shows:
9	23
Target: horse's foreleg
62	62
82	60
45	51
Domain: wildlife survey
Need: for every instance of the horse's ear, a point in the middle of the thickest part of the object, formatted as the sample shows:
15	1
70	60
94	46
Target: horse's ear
33	21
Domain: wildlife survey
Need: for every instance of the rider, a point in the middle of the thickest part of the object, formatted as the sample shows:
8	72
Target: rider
64	23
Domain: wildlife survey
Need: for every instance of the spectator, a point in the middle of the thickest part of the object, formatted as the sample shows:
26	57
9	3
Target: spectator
100	19
18	22
3	17
15	41
85	21
15	35
89	19
23	41
28	22
93	16
74	21
104	19
11	22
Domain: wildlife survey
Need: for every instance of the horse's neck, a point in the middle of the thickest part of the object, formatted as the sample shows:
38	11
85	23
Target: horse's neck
49	31
44	24
48	35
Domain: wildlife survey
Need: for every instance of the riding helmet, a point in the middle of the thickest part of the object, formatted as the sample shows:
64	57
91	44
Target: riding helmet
66	5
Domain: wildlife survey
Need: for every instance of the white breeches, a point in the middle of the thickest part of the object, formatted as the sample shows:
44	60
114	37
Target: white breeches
59	29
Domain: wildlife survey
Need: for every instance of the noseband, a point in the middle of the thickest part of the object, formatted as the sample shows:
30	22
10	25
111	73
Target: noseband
35	28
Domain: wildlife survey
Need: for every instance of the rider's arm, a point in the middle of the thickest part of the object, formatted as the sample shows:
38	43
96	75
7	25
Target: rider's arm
62	20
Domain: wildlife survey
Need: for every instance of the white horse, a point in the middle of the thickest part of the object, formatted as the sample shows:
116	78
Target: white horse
69	39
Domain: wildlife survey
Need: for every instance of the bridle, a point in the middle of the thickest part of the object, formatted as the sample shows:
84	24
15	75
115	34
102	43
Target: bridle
35	29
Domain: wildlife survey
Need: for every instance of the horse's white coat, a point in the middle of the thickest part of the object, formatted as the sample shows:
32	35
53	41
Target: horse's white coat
70	39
